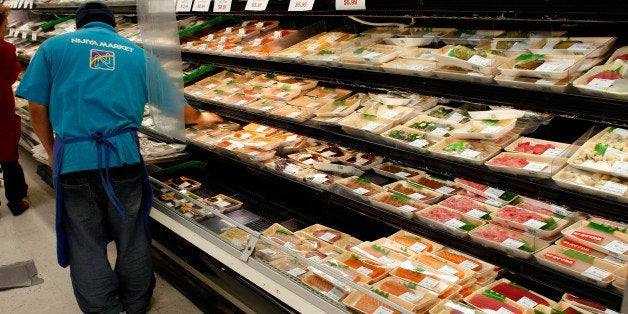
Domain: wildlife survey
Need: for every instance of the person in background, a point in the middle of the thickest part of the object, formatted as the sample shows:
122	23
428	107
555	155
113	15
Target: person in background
10	124
90	87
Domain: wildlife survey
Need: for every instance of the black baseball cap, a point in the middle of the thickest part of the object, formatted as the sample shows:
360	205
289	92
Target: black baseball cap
94	11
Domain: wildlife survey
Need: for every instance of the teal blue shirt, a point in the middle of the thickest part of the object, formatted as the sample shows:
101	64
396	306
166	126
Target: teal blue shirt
91	80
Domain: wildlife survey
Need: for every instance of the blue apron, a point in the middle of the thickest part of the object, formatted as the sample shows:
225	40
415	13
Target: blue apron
103	145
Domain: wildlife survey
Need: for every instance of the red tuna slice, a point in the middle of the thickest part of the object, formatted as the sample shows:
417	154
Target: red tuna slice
607	75
441	214
487	303
518	215
536	209
477	186
516	293
509	161
496	234
623	57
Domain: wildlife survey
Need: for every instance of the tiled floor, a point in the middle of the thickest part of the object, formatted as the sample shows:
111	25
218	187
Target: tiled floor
32	236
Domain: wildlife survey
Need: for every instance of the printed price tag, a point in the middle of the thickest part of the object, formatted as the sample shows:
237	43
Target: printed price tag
184	5
468	264
614	188
552	152
241	102
481	61
579	47
512	243
222	203
382	310
201	5
416	196
502	310
560	210
350	4
491	129
520	46
476	213
622	132
34	35
256	5
493	192
617	247
24	35
289	245
439	132
420	68
242	31
315	259
402	174
261	128
418	247
428	283
386	261
609	311
296	272
300	5
459	307
494	202
390	114
410	297
407	208
420	143
222	5
330	96
11	32
445	190
319	178
527	302
313	47
536	166
546	82
599	83
327	236
533	223
596	273
363	270
470	153
266	108
448	270
336	293
293	115
554	66
456	117
455	223
371	126
291	169
233	146
372	55
308	162
361	191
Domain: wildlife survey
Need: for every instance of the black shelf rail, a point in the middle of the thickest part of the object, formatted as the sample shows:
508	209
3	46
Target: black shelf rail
544	189
572	105
549	281
118	7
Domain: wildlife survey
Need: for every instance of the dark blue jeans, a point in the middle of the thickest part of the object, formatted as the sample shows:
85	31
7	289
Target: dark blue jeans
91	221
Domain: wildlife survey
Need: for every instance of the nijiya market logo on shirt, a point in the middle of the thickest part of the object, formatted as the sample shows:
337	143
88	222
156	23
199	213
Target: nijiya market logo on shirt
102	60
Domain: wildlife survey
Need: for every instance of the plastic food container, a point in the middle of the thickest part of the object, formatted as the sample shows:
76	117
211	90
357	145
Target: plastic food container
238	238
282	236
361	303
399	114
365	124
327	93
521	295
299	114
362	161
466	151
534	223
600	236
459	74
512	242
420	54
409	138
576	264
484	129
525	165
358	187
376	54
492	302
338	169
415	243
479	267
268	131
374	270
437	184
378	253
443	218
290	266
469	59
317	178
450	115
436	127
607	80
619	54
283	92
396	171
408	291
610	187
469	207
286	166
533	83
338	108
434	281
469	37
414	191
397	203
264	105
326	285
591	47
225	203
499	196
310	103
450	307
604	153
331	152
410	67
553	67
460	275
536	147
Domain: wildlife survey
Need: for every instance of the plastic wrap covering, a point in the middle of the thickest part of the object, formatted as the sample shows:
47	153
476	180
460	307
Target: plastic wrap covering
158	26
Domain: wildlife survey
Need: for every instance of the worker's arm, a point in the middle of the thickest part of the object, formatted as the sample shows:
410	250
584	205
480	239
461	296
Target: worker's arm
40	120
193	116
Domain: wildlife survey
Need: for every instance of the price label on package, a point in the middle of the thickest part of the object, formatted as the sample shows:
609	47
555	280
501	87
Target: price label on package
363	270
616	246
599	83
596	273
459	307
418	247
296	272
350	4
527	302
382	310
201	5
428	283
491	129
614	188
183	5
455	223
546	82
420	143
456	117
476	213
481	61
222	5
512	243
554	66
536	166
448	270
371	126
300	5
256	5
552	152
580	47
406	208
361	191
410	297
494	193
470	153
416	196
620	168
468	264
445	190
439	132
536	224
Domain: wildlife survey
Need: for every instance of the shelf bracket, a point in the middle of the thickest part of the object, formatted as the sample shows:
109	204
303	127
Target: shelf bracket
248	250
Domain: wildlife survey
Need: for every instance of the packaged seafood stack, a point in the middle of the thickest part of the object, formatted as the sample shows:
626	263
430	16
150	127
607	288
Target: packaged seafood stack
463	276
238	99
590	47
282	236
450	115
396	171
263	45
453	307
325	233
483	272
479	61
224	203
391	108
467	151
570	299
435	281
443	218
547	209
311	46
236	237
331	152
469	207
577	264
365	304
519	294
269	253
409	138
290	266
610	187
536	147
604	153
311	103
583	248
414	67
397	203
362	161
471	37
285	166
178	203
494	196
535	83
283	92
338	108
347	243
394	247
339	169
328	93
514	243
493	302
414	243
266	130
373	270
370	57
326	285
437	184
290	112
380	254
436	127
550	68
357	187
543	226
449	72
181	183
414	191
601	235
421	298
365	125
